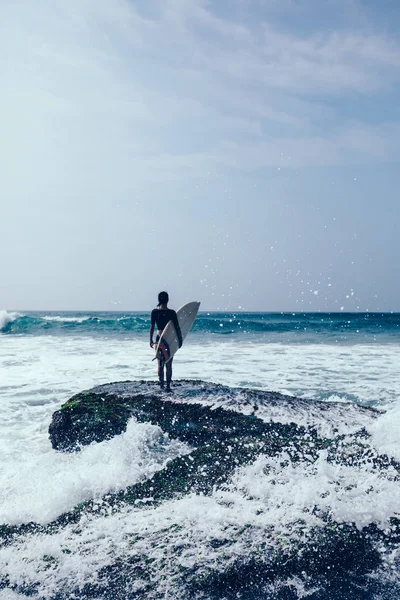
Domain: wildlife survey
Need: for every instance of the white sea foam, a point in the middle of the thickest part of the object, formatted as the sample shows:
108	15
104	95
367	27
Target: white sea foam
67	479
299	491
386	432
63	319
267	504
10	595
7	317
261	504
364	374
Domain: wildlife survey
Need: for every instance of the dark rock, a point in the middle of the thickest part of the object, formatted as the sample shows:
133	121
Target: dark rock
333	552
88	418
104	411
331	561
98	415
223	439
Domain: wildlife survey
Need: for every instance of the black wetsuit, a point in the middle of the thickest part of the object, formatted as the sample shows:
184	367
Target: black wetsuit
162	316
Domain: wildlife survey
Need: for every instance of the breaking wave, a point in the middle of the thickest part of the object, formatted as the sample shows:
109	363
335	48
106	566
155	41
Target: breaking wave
6	318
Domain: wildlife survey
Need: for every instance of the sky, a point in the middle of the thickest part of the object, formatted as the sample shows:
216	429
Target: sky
242	153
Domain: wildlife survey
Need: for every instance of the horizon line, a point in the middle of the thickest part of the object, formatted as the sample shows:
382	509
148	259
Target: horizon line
240	311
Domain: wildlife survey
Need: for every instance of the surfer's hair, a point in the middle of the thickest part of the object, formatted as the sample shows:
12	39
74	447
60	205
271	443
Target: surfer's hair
163	298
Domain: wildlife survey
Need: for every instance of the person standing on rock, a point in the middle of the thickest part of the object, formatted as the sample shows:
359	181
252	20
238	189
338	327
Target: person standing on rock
160	316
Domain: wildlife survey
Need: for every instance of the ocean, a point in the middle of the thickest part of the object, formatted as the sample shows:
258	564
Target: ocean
347	361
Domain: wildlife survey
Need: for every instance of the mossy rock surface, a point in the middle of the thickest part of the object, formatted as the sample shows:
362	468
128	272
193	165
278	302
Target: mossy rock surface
197	412
101	413
88	418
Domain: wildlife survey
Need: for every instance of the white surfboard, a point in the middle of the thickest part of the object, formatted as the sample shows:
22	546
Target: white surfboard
168	343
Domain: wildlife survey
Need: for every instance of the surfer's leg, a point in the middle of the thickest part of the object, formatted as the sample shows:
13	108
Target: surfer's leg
161	372
161	364
169	373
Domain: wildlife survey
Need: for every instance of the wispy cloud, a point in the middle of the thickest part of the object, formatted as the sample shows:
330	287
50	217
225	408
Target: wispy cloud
178	83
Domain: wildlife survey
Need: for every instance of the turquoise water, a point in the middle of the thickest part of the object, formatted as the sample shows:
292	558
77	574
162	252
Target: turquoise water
277	327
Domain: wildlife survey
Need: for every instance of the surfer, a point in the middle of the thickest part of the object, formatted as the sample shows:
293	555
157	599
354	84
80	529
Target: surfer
160	316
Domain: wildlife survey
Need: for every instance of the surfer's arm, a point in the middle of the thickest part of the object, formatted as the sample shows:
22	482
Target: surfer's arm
177	328
152	330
